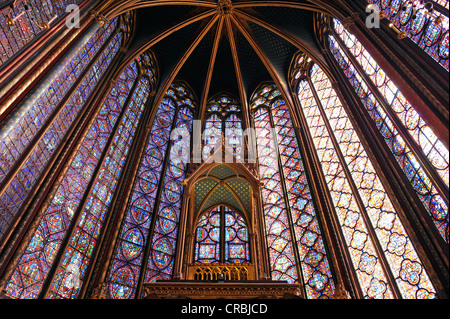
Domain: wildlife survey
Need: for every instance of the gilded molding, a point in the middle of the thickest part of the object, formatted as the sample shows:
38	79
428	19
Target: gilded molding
36	74
243	290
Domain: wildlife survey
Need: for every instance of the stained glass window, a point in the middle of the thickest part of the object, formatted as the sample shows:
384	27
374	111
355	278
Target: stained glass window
208	234
443	3
393	114
292	225
212	135
44	120
26	23
380	248
163	246
279	238
93	214
223	121
234	136
237	247
429	32
110	133
222	237
152	217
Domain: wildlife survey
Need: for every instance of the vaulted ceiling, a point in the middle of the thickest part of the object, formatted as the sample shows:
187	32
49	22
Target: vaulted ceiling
224	45
222	185
194	71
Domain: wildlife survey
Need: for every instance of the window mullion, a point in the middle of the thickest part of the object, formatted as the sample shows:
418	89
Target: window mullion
360	203
26	154
73	225
415	148
148	247
222	234
286	200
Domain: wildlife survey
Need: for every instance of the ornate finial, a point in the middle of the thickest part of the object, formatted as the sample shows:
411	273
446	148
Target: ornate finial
225	7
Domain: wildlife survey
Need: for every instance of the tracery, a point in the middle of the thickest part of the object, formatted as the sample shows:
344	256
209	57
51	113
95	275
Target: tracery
224	126
400	124
292	226
222	237
369	221
152	217
117	119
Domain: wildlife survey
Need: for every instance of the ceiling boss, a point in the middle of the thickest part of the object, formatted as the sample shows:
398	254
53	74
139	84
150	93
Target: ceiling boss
225	7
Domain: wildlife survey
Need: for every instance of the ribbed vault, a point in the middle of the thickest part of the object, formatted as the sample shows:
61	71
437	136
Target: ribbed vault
222	185
223	45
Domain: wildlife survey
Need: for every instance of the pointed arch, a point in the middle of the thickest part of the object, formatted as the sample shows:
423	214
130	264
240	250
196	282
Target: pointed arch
399	123
222	236
224	123
84	193
292	225
153	209
343	160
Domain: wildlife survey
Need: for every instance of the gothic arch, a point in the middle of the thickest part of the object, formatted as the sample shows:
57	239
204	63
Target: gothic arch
245	216
322	163
232	18
127	5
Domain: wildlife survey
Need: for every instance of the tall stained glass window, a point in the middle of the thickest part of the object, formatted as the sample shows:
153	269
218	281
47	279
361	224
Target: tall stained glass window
27	18
34	131
383	256
423	158
84	193
430	32
296	247
224	120
150	225
222	237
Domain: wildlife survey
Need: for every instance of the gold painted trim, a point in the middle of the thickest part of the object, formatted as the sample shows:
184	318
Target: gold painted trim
212	62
